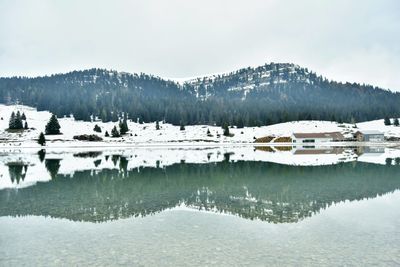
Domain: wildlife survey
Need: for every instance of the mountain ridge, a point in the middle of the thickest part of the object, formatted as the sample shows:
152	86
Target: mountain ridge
266	94
184	80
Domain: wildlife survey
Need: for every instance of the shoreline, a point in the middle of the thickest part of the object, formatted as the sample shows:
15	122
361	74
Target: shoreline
97	145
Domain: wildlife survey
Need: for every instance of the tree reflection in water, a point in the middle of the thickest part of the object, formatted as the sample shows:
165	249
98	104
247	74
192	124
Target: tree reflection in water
252	190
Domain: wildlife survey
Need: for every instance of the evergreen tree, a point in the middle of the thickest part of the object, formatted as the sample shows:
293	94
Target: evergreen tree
18	121
182	126
123	126
114	116
208	132
42	139
11	123
396	122
81	113
150	98
53	127
114	132
97	128
387	121
107	134
26	125
15	122
157	125
105	116
240	123
23	117
225	127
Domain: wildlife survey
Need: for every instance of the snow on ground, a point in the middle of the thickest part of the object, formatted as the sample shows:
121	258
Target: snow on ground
147	134
379	125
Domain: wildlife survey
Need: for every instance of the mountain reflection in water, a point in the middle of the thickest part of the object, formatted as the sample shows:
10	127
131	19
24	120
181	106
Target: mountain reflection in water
266	191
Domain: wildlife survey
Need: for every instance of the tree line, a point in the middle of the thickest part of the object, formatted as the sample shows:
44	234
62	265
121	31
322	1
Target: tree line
278	93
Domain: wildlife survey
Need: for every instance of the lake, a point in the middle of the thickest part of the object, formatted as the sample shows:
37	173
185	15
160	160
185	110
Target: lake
221	206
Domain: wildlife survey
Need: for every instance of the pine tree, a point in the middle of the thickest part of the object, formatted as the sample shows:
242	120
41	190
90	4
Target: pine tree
114	116
114	132
97	128
23	117
53	127
123	126
240	123
107	134
226	129
387	121
26	125
15	122
42	139
157	125
396	122
182	126
105	116
18	121
11	123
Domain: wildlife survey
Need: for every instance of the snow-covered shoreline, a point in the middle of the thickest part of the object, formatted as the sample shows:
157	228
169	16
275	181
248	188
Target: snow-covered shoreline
146	135
104	145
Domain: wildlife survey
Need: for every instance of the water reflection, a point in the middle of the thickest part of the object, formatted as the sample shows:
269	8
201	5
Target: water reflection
17	171
110	187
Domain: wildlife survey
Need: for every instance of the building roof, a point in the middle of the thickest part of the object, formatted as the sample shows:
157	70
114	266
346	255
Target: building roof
332	135
367	132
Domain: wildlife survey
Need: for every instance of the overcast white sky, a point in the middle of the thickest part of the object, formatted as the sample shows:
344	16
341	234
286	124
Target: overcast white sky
346	40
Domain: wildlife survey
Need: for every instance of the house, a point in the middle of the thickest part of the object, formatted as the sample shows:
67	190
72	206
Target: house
369	136
307	138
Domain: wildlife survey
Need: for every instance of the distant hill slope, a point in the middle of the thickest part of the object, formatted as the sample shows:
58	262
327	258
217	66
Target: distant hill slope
267	94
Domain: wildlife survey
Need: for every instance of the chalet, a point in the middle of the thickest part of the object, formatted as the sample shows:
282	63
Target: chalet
369	136
307	138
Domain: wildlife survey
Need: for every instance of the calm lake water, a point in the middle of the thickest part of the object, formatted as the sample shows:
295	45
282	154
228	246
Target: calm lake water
200	207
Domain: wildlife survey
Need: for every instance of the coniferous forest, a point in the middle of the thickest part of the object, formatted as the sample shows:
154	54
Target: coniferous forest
265	95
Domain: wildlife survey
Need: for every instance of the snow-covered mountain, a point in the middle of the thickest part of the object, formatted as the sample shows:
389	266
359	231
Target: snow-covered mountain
272	93
245	80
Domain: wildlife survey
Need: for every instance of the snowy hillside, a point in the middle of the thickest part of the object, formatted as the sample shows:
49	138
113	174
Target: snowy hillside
146	133
380	126
253	96
245	80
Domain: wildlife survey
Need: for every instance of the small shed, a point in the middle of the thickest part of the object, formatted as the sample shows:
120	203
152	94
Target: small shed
369	136
304	138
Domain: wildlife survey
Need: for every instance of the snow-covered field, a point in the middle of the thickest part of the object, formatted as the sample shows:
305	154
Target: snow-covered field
146	134
380	126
